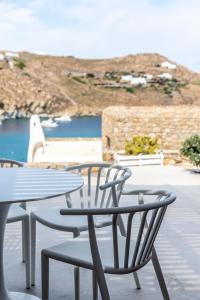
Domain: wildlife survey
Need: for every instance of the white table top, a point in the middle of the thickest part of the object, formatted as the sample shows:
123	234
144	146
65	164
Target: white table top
29	184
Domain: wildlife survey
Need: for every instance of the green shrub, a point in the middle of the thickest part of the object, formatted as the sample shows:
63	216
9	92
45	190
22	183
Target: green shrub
79	79
26	74
141	145
130	90
169	86
19	63
191	149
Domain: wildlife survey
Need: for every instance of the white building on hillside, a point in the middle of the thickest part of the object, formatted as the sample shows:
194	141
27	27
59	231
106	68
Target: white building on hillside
166	76
39	52
126	78
134	80
148	76
10	55
138	81
168	65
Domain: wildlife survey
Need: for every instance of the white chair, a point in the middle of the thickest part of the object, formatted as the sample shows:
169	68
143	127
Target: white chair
17	213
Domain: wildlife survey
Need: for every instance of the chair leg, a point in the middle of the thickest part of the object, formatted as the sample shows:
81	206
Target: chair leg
103	288
33	248
45	276
26	237
23	243
76	275
159	275
137	282
77	283
94	286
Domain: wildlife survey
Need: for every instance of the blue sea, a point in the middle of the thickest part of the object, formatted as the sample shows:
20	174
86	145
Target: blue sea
14	134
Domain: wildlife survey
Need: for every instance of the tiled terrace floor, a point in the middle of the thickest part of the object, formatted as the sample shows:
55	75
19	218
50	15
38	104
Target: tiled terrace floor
178	246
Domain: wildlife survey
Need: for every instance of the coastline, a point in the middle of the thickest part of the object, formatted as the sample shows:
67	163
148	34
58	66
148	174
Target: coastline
18	114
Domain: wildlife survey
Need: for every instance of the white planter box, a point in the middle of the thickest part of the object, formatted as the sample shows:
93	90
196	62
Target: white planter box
139	160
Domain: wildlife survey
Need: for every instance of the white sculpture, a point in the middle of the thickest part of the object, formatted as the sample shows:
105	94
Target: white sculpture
36	136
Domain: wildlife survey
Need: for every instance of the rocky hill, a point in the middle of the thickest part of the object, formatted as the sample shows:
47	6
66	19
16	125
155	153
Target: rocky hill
52	85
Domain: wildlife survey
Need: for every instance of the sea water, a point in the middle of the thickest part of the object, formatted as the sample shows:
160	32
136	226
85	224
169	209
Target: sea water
14	134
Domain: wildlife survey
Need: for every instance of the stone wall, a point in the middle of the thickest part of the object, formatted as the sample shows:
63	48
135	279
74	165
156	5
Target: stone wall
171	124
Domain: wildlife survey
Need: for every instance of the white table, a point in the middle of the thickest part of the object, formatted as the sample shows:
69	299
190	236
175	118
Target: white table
29	184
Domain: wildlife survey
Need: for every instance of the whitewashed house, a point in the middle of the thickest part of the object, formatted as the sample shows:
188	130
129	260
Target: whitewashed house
168	65
126	78
166	76
38	52
134	80
11	55
148	76
138	81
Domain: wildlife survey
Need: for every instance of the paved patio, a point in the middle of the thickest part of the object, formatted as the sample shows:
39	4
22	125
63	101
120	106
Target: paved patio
178	245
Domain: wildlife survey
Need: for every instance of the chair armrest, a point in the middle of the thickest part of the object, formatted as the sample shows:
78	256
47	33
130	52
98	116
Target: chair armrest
146	192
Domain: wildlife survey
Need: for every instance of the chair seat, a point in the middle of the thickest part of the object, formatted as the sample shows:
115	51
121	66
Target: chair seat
16	213
75	224
77	252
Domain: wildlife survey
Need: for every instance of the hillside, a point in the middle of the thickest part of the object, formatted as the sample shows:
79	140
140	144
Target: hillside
32	83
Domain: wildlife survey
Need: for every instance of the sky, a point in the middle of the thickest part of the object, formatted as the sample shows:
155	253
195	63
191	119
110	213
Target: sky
103	28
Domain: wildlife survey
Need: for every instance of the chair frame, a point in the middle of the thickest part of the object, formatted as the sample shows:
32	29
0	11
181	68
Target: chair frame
98	201
143	252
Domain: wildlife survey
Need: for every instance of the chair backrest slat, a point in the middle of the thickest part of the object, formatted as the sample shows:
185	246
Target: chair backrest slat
115	242
128	240
89	180
105	191
97	186
89	186
95	175
139	237
147	236
143	222
155	231
81	192
109	198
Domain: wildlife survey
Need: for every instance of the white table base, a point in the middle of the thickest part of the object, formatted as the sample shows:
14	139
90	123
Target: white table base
4	294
